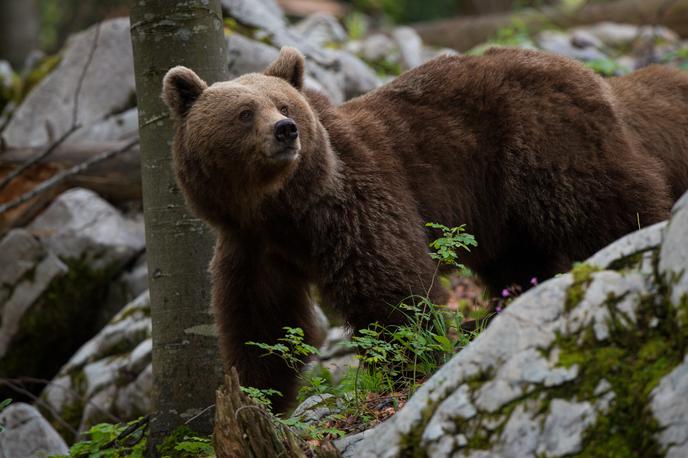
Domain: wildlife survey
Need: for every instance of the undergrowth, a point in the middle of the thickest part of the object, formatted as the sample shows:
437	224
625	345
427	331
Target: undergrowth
394	361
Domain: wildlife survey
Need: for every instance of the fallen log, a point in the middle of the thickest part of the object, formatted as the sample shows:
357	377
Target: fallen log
465	32
118	179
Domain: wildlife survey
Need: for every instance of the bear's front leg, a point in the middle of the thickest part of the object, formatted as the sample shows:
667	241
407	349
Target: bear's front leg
254	297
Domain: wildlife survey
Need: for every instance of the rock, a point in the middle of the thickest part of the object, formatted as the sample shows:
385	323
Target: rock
410	47
315	408
355	77
670	408
6	74
118	126
622	36
80	225
673	262
551	374
110	376
263	14
107	88
378	47
247	55
612	34
561	43
585	39
321	29
61	269
28	434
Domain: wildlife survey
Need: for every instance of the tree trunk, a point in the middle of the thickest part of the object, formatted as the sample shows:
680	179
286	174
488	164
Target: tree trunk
19	26
186	367
463	33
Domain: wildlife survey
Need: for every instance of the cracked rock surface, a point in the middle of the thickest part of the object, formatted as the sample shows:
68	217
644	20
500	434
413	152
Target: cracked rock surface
556	373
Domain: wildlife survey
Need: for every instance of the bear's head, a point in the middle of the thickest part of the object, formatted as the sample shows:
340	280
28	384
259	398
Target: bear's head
239	141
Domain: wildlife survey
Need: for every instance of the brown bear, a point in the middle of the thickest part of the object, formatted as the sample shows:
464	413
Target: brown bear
544	161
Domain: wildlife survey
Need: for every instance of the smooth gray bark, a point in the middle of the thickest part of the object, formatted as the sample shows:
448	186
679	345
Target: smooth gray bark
186	366
19	26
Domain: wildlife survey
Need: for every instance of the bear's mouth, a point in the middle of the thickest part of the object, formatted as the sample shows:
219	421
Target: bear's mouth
284	155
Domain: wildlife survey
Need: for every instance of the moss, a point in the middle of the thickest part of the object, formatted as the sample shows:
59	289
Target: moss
629	262
232	26
410	444
633	360
582	276
50	322
43	69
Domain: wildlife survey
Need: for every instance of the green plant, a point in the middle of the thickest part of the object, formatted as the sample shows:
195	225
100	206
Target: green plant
3	406
183	442
291	348
454	238
607	67
113	441
395	359
261	396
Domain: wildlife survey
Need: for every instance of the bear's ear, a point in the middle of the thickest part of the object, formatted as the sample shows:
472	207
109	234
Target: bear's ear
289	66
180	89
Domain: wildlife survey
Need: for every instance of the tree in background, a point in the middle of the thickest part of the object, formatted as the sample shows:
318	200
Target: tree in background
186	368
19	28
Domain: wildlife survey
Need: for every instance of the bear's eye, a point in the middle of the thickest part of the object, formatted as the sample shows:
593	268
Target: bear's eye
284	110
246	115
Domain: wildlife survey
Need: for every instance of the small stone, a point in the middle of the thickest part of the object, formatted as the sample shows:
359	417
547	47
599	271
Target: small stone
315	408
378	47
612	34
410	46
560	43
28	434
321	29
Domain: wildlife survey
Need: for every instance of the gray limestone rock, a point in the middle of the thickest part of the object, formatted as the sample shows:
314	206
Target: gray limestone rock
410	46
28	434
107	88
113	370
673	262
669	403
499	395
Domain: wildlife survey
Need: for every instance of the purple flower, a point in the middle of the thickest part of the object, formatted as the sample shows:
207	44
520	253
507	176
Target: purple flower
534	281
499	309
505	293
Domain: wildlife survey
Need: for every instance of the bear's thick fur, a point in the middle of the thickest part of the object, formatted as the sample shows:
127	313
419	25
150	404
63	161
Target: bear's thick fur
542	159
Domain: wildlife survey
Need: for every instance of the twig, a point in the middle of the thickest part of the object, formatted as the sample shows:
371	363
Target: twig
199	414
129	430
38	158
82	77
19	389
39	381
59	177
75	124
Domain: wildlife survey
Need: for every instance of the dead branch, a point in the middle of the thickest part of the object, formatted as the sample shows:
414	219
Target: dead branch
18	388
63	175
37	158
73	128
463	33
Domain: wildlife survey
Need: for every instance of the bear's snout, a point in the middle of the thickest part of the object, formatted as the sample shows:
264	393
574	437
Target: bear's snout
286	131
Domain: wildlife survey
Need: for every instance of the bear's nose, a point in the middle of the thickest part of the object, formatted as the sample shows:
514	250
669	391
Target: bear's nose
286	130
